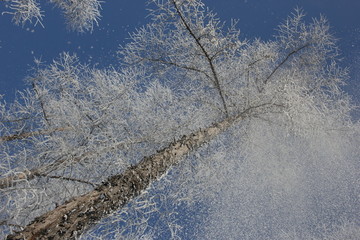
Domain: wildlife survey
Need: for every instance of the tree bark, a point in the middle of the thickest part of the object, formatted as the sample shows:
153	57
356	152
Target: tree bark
73	217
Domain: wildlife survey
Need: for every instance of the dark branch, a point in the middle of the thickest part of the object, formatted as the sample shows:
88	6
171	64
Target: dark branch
32	134
178	66
284	61
206	54
66	178
40	100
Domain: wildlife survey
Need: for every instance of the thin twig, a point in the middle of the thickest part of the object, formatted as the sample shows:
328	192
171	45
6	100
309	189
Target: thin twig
32	134
177	65
66	178
283	61
40	100
10	181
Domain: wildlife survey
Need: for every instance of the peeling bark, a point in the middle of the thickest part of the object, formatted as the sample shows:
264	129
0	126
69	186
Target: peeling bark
73	217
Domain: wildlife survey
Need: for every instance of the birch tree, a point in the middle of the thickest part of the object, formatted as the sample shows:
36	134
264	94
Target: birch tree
197	134
80	15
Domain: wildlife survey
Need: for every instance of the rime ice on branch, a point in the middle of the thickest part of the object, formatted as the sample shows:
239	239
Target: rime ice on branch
80	15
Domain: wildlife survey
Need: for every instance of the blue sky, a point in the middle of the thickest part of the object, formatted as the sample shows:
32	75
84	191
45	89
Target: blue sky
258	18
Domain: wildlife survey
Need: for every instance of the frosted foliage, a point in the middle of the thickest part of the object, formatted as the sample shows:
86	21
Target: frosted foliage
81	15
25	11
287	168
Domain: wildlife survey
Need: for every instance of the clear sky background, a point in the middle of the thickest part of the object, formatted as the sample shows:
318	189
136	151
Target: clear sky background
258	18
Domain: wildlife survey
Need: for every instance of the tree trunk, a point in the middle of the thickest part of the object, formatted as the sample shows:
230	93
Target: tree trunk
73	217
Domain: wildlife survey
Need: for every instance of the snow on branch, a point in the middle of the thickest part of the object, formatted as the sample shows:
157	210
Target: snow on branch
80	15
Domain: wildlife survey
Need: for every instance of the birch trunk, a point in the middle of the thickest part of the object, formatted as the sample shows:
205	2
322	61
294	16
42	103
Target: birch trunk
73	217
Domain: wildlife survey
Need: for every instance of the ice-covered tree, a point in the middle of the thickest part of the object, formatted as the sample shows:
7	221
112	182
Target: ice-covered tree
196	135
80	15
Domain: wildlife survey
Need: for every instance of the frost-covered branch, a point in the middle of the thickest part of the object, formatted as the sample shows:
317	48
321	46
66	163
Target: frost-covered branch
179	66
23	135
206	54
283	62
28	175
66	178
80	15
24	11
196	43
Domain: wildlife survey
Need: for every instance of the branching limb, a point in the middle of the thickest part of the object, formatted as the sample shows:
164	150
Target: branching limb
17	120
66	178
32	134
284	61
40	100
221	50
206	54
178	66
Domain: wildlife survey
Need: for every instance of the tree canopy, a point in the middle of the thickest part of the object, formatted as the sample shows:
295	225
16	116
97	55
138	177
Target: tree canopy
196	134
